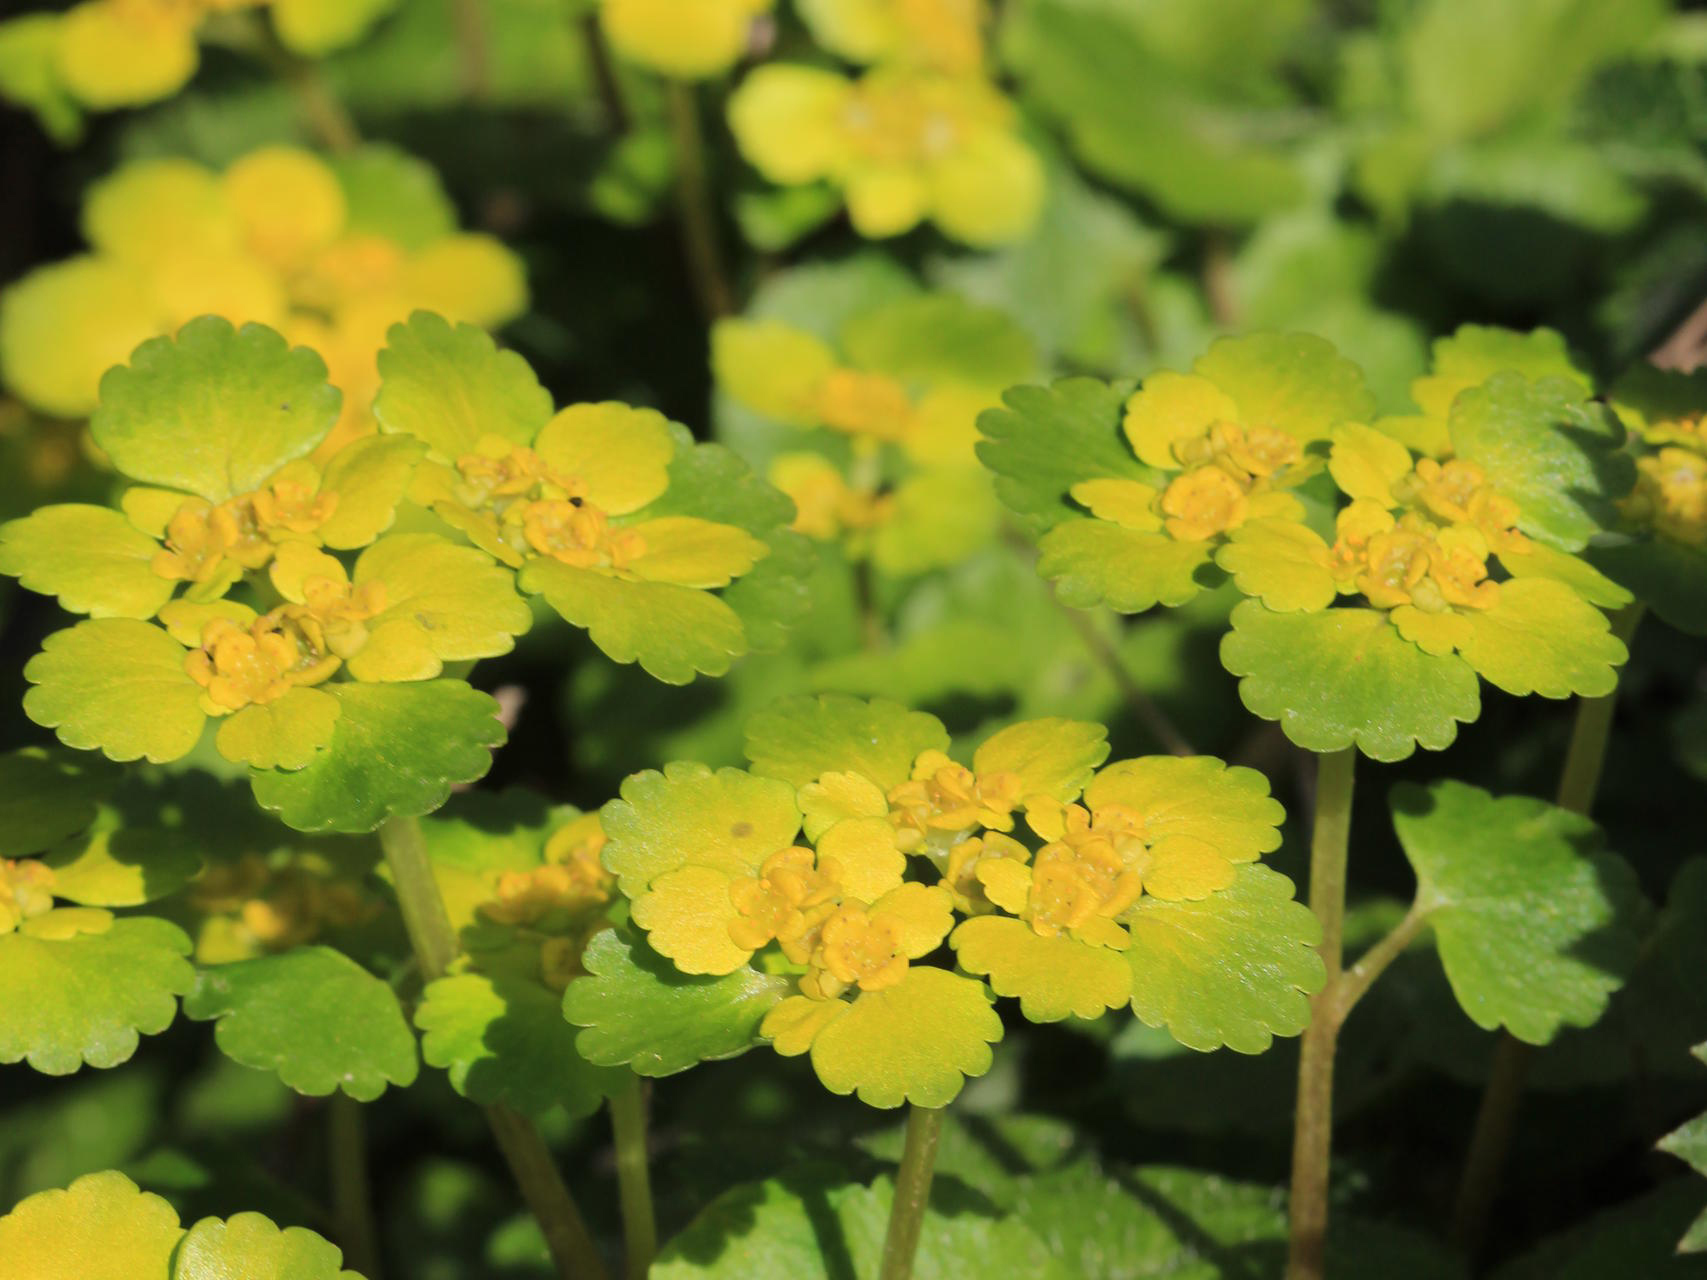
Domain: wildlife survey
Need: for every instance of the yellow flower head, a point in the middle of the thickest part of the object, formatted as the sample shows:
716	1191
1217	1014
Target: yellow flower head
26	891
251	907
271	241
786	900
1670	496
947	800
904	146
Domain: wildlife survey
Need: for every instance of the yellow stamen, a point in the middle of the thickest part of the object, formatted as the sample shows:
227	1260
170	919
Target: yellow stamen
855	948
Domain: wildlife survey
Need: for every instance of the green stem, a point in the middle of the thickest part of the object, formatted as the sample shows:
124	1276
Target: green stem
352	1204
1496	1117
693	203
1312	1135
473	48
912	1192
573	1252
604	74
633	1179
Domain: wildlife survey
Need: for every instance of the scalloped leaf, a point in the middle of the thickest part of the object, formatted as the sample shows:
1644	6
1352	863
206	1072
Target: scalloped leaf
449	385
1473	353
1550	450
1236	968
119	685
103	1227
1054	978
214	411
1346	676
1048	439
396	752
811	1224
1097	562
799	739
918	1041
47	795
1542	637
1535	923
637	1010
92	994
729	819
674	632
501	1034
91	558
250	1245
313	1017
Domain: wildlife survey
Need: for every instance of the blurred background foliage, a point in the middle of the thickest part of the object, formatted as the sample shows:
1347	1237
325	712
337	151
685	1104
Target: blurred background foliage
1376	171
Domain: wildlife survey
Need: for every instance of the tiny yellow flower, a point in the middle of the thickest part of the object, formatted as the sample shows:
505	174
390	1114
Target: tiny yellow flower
251	906
943	798
26	891
1670	496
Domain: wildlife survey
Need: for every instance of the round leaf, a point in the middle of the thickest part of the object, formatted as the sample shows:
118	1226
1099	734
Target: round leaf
91	994
118	685
396	751
92	558
1536	924
639	1011
800	739
1130	570
102	1228
1346	676
251	1246
216	410
501	1035
1235	968
448	386
312	1016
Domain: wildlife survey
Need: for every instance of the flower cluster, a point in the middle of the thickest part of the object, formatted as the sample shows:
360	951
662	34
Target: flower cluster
1454	539
281	238
893	474
921	136
257	905
558	906
216	590
856	847
610	512
105	54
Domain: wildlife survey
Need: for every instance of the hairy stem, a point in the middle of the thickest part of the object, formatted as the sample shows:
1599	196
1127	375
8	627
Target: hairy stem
694	210
1496	1117
573	1252
1312	1135
912	1192
352	1202
634	1180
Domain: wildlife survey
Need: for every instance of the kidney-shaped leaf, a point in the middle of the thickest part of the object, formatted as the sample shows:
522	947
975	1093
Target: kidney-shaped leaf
1536	924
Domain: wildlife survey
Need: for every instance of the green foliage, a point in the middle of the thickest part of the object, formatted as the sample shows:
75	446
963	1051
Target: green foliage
1343	677
396	752
94	992
637	1010
1536	924
313	1016
216	411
